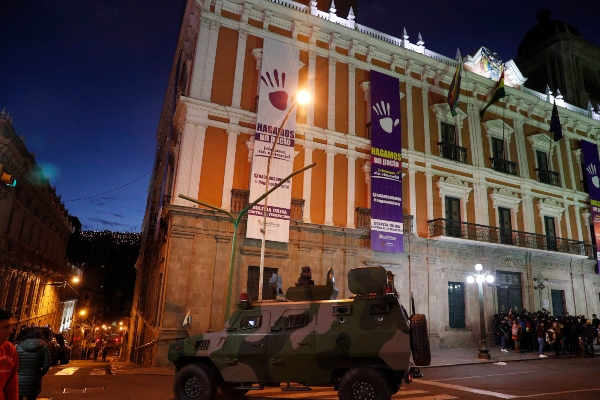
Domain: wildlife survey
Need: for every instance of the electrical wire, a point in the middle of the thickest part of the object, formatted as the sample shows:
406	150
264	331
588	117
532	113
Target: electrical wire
110	191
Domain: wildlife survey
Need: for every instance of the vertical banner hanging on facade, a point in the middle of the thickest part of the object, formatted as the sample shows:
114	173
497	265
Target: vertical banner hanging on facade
278	84
592	170
386	164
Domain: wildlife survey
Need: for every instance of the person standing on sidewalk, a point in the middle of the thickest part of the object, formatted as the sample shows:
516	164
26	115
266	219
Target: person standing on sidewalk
504	327
9	360
517	332
589	334
34	362
541	338
557	334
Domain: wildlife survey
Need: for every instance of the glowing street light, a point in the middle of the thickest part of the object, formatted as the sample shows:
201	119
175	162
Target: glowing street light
302	97
481	277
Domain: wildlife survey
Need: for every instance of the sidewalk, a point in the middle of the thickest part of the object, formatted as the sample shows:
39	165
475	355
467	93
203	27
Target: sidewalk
440	357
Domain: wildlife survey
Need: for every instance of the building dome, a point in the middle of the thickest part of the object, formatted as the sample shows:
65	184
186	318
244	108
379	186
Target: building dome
545	29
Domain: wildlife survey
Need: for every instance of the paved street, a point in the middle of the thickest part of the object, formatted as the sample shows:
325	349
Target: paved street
562	377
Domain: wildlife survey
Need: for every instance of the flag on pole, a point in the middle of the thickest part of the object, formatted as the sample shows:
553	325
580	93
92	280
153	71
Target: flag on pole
454	91
555	124
497	94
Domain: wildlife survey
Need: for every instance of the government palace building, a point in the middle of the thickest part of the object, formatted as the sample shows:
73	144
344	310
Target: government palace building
496	190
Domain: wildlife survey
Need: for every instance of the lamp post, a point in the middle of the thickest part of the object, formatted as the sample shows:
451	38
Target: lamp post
540	285
302	97
480	277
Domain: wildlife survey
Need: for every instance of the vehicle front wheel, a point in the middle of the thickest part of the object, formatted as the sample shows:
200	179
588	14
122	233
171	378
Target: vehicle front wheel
229	390
195	382
363	384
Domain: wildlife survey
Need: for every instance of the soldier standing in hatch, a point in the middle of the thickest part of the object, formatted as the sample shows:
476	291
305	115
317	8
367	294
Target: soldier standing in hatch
305	278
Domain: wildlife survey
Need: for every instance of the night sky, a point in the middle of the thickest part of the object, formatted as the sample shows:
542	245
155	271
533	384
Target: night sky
85	80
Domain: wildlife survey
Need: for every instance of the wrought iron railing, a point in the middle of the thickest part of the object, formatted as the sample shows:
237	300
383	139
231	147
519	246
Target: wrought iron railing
492	234
549	177
504	166
363	219
17	255
453	152
240	200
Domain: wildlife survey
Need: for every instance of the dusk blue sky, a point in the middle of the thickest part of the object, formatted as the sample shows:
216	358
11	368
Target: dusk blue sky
85	80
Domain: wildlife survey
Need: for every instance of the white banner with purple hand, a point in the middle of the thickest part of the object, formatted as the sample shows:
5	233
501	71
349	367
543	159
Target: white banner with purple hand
278	83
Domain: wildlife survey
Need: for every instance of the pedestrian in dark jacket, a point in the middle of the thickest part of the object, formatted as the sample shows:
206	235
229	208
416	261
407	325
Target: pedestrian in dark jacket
34	362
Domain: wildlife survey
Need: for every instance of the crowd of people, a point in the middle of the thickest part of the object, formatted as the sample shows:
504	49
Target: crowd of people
91	353
541	332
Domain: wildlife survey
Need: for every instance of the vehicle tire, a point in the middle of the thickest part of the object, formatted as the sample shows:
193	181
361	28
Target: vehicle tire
195	382
419	340
229	390
64	362
363	383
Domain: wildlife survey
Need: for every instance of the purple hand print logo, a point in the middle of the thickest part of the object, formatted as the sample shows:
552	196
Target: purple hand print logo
278	98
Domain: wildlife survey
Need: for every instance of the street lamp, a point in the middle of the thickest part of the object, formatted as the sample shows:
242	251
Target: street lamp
480	277
540	286
302	97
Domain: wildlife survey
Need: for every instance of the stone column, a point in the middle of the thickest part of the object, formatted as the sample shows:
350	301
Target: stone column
367	170
239	68
429	189
521	149
351	156
200	59
210	60
409	114
412	175
189	165
425	104
331	151
306	187
232	135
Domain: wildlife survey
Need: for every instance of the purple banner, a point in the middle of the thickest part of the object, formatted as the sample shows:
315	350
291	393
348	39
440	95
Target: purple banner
592	169
386	164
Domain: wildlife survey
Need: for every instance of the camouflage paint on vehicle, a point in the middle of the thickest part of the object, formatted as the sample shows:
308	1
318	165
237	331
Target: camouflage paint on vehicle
310	342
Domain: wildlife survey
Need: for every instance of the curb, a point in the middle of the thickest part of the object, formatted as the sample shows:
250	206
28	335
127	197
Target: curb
505	360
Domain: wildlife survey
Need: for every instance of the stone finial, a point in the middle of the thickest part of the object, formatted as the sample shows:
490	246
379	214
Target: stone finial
420	41
558	95
590	107
332	9
548	91
404	34
351	15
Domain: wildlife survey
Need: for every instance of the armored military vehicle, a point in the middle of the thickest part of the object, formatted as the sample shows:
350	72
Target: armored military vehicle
361	346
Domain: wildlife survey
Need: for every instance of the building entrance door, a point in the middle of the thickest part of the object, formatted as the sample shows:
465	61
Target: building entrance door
510	291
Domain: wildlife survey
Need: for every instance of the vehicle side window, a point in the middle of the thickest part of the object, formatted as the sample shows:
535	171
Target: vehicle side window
296	321
250	322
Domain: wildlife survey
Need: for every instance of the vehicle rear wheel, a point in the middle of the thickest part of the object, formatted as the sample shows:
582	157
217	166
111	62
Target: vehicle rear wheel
64	361
229	390
419	340
195	382
363	384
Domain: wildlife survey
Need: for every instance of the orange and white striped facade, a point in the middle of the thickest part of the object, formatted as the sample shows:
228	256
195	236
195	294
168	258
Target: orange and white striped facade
205	144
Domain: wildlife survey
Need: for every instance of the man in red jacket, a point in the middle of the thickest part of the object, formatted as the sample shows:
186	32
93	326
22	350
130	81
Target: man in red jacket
9	361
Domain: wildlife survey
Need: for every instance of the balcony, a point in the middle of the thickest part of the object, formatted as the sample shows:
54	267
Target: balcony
240	200
504	166
363	219
452	152
549	177
490	234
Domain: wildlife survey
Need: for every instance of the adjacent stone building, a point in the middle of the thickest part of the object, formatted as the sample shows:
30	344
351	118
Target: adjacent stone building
34	230
497	191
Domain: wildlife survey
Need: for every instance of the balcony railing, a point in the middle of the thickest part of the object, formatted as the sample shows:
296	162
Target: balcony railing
18	255
504	166
240	200
549	177
453	152
491	234
363	219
